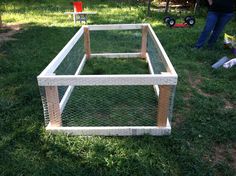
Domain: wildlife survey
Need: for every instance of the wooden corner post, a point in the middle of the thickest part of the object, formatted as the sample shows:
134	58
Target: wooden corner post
144	41
53	104
87	42
163	105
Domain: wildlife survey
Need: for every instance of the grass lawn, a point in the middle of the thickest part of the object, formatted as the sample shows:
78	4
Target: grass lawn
203	139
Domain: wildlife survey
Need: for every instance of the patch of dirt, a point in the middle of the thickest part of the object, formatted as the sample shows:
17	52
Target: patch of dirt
223	153
177	120
195	83
7	32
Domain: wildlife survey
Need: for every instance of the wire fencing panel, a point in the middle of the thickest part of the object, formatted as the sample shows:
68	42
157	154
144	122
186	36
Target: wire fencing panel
111	106
155	55
116	41
71	63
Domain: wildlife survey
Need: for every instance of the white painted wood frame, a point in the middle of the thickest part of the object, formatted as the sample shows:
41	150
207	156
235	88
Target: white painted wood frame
165	79
107	27
93	80
113	131
117	55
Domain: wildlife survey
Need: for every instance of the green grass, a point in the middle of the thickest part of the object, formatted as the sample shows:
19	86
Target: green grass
202	123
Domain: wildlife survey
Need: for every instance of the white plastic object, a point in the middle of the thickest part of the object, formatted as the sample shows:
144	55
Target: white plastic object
230	63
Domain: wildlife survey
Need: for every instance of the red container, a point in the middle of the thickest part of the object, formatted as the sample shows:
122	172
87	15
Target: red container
77	6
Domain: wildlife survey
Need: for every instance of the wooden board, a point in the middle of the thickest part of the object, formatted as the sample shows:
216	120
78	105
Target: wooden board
88	80
156	87
87	42
116	55
112	131
53	105
163	105
115	27
144	41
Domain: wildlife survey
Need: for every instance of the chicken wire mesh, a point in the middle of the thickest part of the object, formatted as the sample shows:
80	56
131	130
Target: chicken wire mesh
110	106
128	105
116	41
70	63
155	55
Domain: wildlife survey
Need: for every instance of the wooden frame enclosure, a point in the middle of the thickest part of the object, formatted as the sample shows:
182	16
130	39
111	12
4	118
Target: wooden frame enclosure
161	83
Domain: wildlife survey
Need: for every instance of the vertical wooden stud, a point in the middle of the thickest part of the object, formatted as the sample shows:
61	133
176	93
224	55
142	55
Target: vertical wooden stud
87	42
144	41
53	104
163	105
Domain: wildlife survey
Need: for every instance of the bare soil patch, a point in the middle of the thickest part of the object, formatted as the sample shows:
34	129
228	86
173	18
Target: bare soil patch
194	84
221	153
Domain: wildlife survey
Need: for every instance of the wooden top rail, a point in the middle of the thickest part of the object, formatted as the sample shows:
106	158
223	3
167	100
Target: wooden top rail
93	80
165	59
116	27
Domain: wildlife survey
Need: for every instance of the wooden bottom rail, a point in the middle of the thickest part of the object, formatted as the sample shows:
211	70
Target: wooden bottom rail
112	131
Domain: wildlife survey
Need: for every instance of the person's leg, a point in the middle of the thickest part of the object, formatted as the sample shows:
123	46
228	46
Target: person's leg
209	26
219	27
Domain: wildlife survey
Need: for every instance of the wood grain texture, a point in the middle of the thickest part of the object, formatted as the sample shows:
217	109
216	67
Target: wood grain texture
87	42
144	41
53	106
163	105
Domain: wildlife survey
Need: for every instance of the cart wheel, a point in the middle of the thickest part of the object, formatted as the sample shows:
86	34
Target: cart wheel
171	22
191	21
166	19
187	18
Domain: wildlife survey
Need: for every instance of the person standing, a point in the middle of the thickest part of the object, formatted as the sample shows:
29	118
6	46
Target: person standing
219	14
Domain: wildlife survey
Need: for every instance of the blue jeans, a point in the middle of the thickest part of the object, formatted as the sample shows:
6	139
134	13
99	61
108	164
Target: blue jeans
215	24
